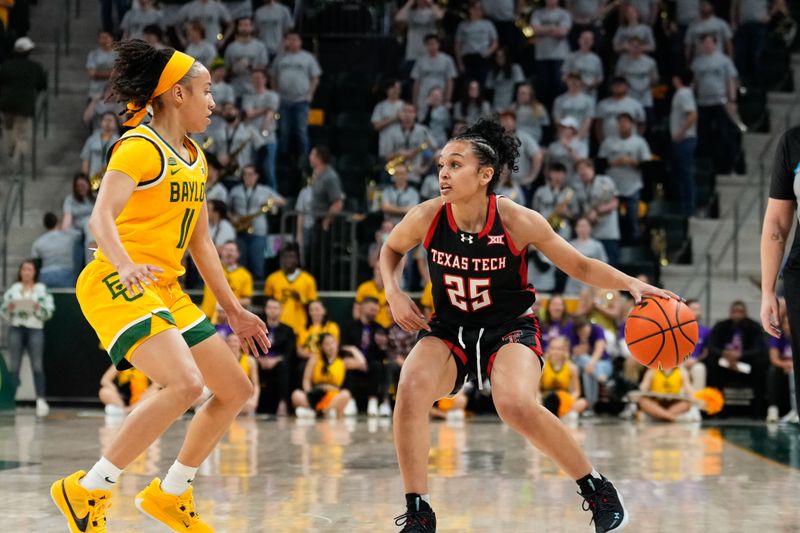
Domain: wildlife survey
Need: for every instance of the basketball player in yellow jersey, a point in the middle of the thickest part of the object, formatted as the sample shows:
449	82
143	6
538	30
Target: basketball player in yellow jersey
149	211
675	381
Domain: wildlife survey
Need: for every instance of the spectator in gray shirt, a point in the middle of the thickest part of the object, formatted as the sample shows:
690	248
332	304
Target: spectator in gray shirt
586	63
406	137
556	199
589	247
749	19
437	118
235	143
715	84
707	23
610	108
244	55
387	111
683	130
633	27
136	19
531	155
531	115
503	79
420	18
503	15
567	149
77	209
94	154
551	25
99	63
598	202
474	43
587	15
55	250
472	106
198	47
211	14
641	72
577	104
219	227
432	69
327	201
625	152
260	106
272	21
295	75
397	199
248	198
222	91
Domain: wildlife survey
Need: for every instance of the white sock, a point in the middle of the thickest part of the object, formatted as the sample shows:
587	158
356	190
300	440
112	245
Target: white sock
178	478
595	474
426	498
103	475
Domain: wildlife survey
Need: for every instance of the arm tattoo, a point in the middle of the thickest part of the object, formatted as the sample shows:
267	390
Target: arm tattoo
778	238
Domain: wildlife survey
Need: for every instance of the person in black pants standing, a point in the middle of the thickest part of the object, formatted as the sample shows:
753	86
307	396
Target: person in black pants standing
277	367
778	221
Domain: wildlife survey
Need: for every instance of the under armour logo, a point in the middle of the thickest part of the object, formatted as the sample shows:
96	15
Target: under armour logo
467	238
496	239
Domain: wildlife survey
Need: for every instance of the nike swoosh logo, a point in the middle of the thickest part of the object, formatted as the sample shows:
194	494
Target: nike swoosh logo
185	523
173	172
109	481
80	523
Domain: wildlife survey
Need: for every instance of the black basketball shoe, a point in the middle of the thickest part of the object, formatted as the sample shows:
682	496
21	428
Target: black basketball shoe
602	499
419	517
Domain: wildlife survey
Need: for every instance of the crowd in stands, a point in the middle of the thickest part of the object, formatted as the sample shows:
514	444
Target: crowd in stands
599	94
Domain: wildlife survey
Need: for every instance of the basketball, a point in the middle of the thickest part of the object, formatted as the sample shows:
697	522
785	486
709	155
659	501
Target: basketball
661	332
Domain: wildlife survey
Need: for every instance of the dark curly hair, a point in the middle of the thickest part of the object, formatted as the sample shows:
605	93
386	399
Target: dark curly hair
136	71
492	147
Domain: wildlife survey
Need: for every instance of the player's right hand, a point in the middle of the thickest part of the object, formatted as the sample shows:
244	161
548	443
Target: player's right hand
771	315
406	313
135	276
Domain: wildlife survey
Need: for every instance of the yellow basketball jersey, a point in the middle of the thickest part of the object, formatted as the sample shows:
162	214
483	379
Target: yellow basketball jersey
310	337
157	223
294	295
667	383
556	379
334	376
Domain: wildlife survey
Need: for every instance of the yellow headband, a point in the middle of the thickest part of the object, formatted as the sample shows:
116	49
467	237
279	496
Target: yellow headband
177	67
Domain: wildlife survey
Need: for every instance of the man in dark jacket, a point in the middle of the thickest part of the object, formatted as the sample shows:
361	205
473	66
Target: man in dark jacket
737	362
279	368
21	80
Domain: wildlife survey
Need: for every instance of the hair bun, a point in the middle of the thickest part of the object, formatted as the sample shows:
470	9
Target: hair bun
505	146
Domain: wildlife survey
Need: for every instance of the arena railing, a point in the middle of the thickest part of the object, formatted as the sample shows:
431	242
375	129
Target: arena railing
41	119
332	255
738	212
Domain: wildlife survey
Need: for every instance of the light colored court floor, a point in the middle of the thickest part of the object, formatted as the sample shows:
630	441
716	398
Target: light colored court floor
282	476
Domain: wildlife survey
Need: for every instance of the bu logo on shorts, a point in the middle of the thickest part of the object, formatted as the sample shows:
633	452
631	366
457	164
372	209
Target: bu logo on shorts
514	336
466	238
116	288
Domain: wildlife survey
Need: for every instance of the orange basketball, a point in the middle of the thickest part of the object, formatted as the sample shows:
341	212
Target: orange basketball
661	332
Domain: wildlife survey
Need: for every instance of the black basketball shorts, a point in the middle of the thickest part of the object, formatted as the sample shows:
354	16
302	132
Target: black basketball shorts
465	342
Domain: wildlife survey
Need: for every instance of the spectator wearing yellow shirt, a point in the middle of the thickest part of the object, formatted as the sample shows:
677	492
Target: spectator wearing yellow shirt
373	288
239	279
293	287
308	342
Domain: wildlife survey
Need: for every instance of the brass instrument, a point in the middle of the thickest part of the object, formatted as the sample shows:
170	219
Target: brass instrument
245	223
658	244
556	220
95	180
398	160
232	168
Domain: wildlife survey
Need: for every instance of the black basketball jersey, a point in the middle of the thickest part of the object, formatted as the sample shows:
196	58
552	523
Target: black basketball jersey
478	280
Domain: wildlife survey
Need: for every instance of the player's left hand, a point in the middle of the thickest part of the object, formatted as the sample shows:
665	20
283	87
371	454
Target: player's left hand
639	288
251	330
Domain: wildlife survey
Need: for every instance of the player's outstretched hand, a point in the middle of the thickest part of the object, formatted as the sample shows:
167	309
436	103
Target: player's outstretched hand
406	313
251	330
771	315
134	277
639	288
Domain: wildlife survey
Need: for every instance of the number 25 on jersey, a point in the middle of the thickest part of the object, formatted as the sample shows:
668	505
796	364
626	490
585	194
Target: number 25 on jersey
468	294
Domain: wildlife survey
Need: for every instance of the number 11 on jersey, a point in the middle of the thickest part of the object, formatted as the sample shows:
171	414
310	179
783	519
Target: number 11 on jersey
468	294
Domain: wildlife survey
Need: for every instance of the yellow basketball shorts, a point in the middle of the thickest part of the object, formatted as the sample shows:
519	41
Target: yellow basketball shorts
123	321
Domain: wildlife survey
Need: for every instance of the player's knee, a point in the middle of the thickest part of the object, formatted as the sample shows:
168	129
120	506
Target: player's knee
513	409
243	392
415	387
189	388
298	398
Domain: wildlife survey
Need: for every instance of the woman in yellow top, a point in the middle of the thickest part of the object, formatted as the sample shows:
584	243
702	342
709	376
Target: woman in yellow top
560	385
308	342
151	208
323	379
673	382
121	391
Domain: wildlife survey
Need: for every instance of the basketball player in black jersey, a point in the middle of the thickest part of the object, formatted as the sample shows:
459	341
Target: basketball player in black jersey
484	326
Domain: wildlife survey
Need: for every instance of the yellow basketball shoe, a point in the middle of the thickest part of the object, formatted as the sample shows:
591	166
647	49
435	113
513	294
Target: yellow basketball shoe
85	510
176	512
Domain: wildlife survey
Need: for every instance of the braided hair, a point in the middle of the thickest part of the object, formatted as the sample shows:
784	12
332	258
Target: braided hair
492	147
